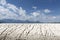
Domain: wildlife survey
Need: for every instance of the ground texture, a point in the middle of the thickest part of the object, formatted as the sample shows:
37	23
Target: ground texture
30	31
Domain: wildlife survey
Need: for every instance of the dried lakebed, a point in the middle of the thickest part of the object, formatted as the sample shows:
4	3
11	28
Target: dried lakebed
30	31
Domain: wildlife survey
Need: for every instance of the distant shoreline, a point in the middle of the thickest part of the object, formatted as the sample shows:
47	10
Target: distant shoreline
29	23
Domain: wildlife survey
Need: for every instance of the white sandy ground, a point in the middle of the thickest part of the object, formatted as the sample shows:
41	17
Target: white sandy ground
29	31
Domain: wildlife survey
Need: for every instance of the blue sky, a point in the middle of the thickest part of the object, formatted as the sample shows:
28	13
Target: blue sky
40	4
31	10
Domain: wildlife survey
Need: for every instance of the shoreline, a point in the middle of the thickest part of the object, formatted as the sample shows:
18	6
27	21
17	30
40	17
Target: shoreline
29	23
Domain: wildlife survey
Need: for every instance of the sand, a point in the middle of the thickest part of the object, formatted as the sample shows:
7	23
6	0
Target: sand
29	31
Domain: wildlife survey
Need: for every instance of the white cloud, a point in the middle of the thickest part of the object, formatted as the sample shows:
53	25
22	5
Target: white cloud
47	11
6	13
37	13
3	2
22	12
10	11
34	7
54	17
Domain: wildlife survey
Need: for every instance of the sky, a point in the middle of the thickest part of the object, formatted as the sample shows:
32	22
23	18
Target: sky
31	10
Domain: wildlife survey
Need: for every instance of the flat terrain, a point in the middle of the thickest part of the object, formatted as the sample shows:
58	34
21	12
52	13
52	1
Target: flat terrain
30	31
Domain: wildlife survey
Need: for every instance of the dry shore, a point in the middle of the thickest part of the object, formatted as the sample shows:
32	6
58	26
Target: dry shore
29	31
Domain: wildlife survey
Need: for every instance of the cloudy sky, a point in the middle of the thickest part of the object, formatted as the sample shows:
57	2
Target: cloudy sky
31	10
